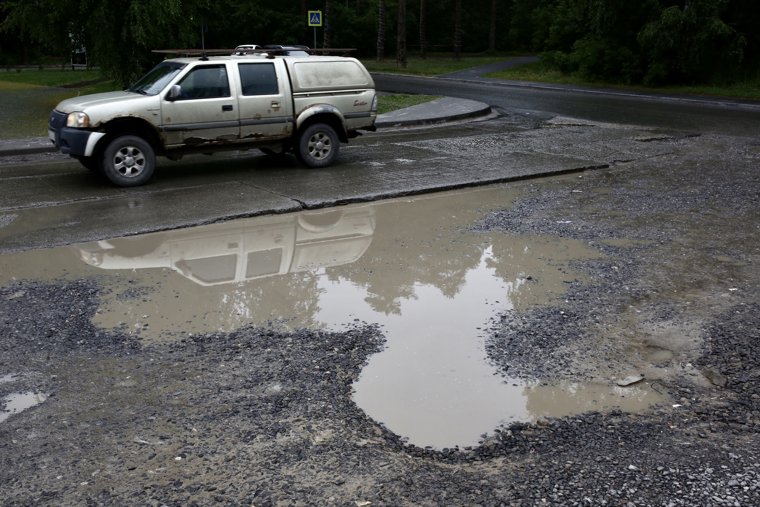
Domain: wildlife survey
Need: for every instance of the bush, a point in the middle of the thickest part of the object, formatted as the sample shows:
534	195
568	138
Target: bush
691	45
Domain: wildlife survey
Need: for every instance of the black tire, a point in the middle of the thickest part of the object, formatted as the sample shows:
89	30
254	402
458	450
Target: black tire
129	161
91	163
318	145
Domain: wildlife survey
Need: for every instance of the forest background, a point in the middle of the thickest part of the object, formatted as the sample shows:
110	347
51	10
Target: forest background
649	42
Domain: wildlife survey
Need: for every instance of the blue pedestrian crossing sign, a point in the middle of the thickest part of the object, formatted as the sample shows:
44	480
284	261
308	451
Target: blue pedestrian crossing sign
315	18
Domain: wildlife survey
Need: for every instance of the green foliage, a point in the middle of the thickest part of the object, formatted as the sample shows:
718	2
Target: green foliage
691	44
432	65
135	27
650	41
597	38
596	59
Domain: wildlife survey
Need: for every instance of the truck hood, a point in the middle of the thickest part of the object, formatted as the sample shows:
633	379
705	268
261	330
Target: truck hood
85	102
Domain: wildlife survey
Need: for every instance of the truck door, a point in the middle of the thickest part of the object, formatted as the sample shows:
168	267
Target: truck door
266	110
204	112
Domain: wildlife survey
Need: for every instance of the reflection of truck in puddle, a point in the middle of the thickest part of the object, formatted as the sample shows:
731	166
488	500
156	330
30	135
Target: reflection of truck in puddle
244	249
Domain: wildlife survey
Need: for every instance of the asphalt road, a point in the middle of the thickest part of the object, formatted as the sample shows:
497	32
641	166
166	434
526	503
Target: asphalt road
698	114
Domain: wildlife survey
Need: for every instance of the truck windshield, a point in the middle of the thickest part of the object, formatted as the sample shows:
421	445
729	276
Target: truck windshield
157	79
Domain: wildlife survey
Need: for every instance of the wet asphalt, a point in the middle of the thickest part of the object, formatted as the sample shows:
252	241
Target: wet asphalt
264	416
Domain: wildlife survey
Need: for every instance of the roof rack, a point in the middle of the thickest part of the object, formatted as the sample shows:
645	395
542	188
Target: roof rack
193	52
260	50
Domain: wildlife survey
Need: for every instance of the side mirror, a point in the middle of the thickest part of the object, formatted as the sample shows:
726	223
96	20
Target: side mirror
174	93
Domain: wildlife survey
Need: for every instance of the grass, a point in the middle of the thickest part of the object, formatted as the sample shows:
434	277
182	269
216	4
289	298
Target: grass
27	97
388	103
50	77
539	72
433	65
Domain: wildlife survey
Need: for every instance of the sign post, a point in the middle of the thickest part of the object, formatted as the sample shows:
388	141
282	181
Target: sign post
315	20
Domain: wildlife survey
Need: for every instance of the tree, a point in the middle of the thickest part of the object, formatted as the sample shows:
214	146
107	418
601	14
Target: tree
401	35
492	31
327	28
458	29
40	27
119	34
380	30
423	30
691	44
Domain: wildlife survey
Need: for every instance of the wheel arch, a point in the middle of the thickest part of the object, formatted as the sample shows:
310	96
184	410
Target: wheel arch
130	127
323	113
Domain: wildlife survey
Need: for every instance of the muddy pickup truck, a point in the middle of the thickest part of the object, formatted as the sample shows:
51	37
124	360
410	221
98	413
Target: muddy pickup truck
275	103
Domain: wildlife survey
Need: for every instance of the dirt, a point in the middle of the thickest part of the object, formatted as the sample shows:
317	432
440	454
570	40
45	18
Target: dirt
261	416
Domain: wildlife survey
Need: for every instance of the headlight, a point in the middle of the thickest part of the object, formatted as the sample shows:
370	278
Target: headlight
78	120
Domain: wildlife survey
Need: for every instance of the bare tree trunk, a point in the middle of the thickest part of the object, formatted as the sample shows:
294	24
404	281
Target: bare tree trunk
423	30
401	35
326	29
458	29
492	33
380	30
304	15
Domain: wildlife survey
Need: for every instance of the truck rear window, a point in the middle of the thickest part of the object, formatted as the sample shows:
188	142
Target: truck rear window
258	79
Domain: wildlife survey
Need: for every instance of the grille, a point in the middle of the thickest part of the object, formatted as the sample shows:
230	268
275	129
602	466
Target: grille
57	120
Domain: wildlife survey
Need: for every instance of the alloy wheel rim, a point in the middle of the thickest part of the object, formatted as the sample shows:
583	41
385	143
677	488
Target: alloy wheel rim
320	146
129	161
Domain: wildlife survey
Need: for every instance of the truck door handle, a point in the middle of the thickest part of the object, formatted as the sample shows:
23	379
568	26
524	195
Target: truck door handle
227	108
275	105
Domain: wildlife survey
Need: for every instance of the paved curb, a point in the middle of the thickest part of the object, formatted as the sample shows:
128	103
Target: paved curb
443	110
30	146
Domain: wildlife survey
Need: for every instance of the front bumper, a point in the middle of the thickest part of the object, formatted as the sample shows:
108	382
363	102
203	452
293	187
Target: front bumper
71	141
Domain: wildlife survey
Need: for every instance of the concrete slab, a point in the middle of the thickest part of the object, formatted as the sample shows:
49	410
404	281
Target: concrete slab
133	213
13	147
437	111
367	174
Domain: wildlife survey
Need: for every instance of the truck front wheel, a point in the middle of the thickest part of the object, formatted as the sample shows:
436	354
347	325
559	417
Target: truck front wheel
318	145
129	161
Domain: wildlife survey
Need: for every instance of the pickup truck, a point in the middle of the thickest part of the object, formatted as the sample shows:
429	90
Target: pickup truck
275	103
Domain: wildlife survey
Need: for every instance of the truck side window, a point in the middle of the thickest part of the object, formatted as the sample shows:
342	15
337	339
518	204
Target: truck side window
258	79
205	82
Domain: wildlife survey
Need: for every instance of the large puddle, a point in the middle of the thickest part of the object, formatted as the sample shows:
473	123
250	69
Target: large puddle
411	265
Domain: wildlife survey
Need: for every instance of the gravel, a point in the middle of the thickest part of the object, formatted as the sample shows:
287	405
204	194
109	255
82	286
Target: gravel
264	417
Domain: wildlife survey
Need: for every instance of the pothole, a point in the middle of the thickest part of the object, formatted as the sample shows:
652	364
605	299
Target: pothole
411	266
20	401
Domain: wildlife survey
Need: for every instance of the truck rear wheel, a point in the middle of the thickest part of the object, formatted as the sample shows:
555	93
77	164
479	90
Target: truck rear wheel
129	161
318	145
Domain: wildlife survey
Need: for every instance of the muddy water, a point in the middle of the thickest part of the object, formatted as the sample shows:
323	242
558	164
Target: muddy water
18	402
410	266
